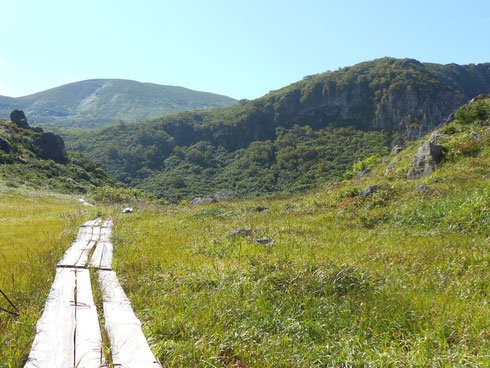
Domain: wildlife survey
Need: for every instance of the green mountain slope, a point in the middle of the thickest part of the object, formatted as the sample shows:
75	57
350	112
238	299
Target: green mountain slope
100	102
36	159
291	139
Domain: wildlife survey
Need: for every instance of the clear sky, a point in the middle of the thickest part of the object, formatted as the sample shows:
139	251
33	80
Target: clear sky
239	48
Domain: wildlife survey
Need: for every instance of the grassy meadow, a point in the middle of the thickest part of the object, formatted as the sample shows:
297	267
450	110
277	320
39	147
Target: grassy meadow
330	279
35	229
333	278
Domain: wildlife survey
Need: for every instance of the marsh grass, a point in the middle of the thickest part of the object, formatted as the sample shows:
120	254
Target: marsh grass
398	278
36	228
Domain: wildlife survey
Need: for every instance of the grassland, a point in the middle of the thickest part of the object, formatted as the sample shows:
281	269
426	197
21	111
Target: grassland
36	227
397	278
332	278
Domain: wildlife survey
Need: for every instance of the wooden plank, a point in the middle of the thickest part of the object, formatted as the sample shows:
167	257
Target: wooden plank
128	344
88	340
53	345
102	256
77	254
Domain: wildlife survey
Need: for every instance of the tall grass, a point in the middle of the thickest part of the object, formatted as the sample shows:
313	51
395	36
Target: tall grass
35	229
398	278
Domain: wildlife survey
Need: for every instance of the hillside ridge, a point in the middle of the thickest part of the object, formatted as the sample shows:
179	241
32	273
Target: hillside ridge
99	102
291	139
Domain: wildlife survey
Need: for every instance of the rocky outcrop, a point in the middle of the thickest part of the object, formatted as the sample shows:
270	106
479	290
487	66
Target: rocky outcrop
428	157
19	118
239	232
391	165
198	201
414	113
396	149
363	174
5	145
51	147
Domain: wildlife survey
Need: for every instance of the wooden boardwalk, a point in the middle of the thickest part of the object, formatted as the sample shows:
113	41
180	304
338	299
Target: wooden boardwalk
68	333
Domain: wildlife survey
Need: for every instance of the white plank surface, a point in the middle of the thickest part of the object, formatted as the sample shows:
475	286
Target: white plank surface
102	256
53	345
128	344
88	340
77	254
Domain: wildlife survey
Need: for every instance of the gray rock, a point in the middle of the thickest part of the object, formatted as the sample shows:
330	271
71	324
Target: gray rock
127	210
425	189
239	232
396	149
363	174
199	201
436	136
428	157
37	129
265	241
19	118
51	147
370	190
261	209
474	135
5	145
391	165
385	159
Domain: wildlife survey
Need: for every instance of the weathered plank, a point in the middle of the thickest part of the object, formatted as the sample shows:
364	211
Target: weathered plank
77	254
128	344
53	345
88	340
102	256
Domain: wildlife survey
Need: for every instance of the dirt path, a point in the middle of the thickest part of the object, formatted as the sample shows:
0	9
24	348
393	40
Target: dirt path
68	333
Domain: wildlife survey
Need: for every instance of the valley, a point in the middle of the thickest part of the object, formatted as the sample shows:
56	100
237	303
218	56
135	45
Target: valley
347	223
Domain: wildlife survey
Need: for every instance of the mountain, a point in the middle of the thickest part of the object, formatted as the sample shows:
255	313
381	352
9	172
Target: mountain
292	139
100	102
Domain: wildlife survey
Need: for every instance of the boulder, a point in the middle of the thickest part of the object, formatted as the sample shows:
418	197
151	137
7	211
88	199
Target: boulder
19	118
391	165
127	210
363	174
37	129
428	157
435	136
198	201
5	145
51	147
371	190
83	202
265	241
425	189
239	232
396	149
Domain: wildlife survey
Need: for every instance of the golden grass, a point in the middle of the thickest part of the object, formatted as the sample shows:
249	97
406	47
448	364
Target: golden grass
35	229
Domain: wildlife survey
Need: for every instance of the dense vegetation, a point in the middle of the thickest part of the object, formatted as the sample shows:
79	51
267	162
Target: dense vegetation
335	278
100	102
332	278
290	139
22	163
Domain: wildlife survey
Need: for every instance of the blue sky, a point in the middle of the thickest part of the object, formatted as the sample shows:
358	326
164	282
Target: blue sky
241	49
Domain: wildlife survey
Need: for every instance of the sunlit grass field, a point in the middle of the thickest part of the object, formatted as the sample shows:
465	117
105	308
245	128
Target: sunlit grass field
35	229
330	279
